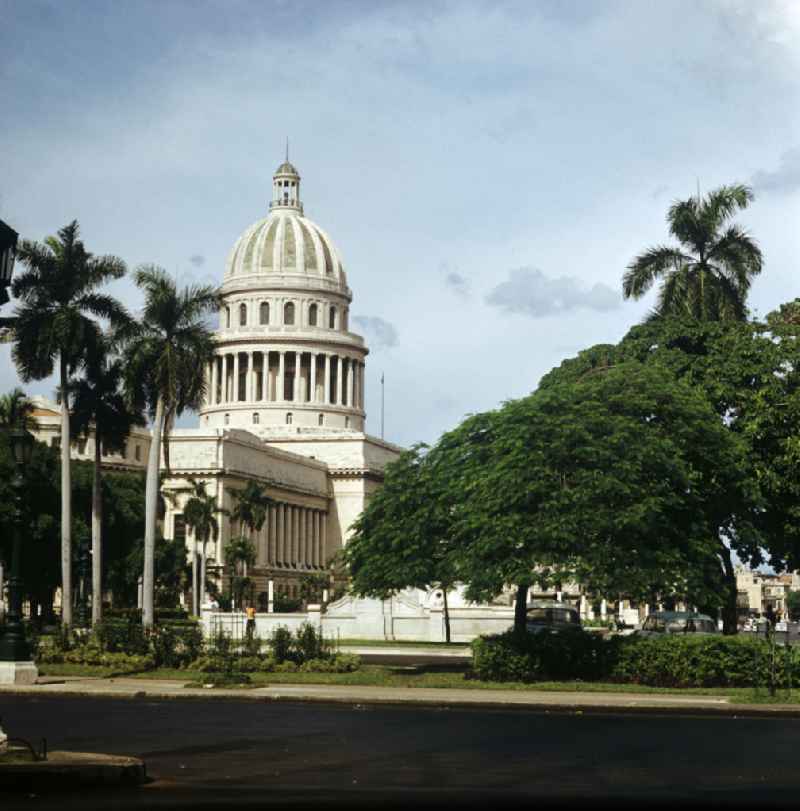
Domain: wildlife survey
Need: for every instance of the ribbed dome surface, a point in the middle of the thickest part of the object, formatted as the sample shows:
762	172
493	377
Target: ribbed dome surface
285	242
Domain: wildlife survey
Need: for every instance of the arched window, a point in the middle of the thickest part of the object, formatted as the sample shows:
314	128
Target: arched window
321	419
289	418
255	419
347	422
228	317
227	419
312	315
345	319
263	313
288	313
332	318
242	315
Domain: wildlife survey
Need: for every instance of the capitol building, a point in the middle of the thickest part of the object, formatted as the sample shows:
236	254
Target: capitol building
284	404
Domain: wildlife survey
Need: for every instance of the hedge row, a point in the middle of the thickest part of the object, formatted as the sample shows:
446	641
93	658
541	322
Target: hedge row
665	661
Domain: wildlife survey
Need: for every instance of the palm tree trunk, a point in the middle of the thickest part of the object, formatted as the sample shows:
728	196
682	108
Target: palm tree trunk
66	500
150	516
195	579
203	572
97	540
2	587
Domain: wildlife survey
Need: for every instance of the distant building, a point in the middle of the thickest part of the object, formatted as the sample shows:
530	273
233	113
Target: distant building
759	591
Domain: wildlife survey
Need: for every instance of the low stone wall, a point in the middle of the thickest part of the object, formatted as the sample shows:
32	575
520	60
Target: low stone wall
400	618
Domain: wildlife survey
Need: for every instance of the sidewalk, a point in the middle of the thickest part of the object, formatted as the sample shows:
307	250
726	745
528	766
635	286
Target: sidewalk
451	698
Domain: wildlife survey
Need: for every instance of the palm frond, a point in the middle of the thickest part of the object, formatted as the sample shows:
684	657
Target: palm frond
649	266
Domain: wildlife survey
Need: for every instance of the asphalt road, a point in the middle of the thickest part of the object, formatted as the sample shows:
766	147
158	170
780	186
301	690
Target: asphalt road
218	753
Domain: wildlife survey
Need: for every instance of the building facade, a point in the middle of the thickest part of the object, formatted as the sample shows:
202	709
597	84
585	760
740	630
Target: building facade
284	404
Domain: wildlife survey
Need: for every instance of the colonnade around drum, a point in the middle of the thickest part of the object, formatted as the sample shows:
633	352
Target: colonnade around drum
286	376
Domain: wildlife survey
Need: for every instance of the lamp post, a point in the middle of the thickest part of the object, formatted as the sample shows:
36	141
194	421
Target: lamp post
16	666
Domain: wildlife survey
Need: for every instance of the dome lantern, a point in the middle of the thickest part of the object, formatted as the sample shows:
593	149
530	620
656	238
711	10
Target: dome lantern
286	187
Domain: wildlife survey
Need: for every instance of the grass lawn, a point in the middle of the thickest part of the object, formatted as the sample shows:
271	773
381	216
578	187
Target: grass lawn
383	676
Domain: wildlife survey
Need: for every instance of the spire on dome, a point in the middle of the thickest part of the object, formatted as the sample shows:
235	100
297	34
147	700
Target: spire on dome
286	186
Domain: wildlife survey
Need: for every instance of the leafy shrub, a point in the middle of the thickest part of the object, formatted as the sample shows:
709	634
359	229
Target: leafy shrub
287	605
310	644
340	663
280	641
671	660
176	644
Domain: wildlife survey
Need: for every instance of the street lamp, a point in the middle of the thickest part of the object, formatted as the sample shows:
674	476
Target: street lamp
15	653
8	246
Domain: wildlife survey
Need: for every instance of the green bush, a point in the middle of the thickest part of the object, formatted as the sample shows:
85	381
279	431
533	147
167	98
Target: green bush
280	642
340	663
663	661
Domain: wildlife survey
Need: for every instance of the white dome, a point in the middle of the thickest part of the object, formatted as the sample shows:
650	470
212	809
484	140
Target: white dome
285	242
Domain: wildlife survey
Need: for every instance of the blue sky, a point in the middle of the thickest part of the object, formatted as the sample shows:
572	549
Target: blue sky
486	169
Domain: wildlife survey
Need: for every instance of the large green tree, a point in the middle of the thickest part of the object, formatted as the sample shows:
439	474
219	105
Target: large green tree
54	323
403	538
708	274
749	372
100	408
166	354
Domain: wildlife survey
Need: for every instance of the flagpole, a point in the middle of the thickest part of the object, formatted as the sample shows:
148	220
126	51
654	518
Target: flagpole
382	404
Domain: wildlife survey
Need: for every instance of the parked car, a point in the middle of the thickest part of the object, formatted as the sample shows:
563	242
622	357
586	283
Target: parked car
552	617
677	622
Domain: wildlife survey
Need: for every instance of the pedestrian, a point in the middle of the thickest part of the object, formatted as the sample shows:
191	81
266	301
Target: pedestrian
250	628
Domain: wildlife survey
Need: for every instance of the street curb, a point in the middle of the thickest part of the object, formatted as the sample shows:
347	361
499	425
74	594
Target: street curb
562	706
72	770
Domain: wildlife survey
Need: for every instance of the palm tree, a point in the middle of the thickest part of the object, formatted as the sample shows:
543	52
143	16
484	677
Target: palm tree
239	551
99	405
166	355
708	277
16	411
250	511
58	297
200	513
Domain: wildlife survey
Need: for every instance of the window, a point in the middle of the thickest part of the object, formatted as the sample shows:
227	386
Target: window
263	311
347	422
228	317
242	315
137	453
288	313
227	419
255	419
312	315
289	419
332	318
321	419
346	318
81	446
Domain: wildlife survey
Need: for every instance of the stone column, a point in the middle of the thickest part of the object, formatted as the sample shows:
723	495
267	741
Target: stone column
361	373
603	608
298	369
339	392
281	371
224	387
280	526
323	542
235	392
250	389
301	537
312	378
351	387
290	529
327	382
214	380
317	563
